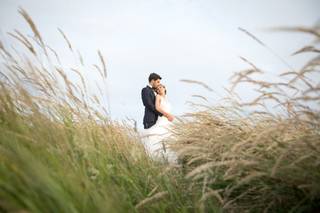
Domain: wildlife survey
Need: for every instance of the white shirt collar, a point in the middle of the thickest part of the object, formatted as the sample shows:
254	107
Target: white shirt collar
152	89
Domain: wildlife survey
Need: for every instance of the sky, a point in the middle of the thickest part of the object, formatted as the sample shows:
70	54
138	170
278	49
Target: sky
178	39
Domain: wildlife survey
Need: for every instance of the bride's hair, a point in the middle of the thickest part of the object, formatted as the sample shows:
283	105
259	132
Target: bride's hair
161	85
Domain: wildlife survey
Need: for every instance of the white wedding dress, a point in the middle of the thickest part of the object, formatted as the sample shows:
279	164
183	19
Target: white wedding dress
154	137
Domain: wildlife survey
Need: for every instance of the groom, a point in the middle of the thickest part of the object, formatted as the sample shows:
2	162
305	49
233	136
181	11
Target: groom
148	96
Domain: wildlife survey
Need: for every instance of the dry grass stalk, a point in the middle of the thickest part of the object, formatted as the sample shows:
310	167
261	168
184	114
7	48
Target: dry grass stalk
33	28
104	68
197	82
150	200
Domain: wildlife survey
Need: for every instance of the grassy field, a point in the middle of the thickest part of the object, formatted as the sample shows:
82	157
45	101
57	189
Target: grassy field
60	152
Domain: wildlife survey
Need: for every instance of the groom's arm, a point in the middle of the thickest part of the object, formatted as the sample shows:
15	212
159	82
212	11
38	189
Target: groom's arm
147	101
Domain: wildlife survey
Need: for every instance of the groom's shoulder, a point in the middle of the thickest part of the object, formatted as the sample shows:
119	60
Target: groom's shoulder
145	88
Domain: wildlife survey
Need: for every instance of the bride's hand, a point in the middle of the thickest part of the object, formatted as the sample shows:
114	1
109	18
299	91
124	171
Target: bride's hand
170	117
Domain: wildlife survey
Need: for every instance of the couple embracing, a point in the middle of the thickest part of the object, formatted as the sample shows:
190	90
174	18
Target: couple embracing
157	119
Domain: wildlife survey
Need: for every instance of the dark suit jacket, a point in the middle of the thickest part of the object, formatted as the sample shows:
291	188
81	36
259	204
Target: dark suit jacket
150	113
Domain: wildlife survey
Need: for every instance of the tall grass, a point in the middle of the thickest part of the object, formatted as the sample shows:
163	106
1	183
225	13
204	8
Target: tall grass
260	155
61	152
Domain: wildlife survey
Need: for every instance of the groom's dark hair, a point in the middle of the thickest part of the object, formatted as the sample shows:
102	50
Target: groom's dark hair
154	76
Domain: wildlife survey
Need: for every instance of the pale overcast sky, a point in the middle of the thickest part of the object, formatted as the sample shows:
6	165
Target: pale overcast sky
179	39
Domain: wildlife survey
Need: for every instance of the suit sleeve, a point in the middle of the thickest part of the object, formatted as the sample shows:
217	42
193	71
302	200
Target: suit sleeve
147	101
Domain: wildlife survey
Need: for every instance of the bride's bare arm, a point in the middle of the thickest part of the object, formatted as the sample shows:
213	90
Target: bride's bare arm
159	109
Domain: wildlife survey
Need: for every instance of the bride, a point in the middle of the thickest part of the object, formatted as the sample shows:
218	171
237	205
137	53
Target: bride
156	135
